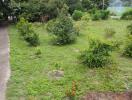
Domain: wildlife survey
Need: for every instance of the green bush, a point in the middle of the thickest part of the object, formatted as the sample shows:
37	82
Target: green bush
26	30
95	16
92	11
127	15
104	14
77	15
128	47
98	54
50	25
23	26
129	28
32	39
25	16
100	14
63	31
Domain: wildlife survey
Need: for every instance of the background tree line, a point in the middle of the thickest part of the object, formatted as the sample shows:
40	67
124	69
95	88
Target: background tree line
41	10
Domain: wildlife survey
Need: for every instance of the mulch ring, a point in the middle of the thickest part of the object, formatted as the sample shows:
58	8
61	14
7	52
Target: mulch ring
108	96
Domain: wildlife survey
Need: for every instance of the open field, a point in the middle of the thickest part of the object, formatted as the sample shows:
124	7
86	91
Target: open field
30	72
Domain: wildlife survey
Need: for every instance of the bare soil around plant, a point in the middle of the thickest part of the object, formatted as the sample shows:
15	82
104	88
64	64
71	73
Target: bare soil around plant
108	96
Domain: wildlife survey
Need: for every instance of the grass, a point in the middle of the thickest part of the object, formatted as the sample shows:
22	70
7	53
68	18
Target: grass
30	81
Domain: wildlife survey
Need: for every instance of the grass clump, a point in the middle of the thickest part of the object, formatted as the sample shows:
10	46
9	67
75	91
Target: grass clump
63	31
98	54
109	32
86	17
38	52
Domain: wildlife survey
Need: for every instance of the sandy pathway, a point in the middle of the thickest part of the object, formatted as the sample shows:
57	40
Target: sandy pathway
4	61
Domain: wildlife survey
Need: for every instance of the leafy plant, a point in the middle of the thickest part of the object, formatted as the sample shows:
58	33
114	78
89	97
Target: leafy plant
72	92
77	15
26	30
128	47
129	28
104	14
38	51
99	14
57	66
62	29
98	54
127	15
95	16
23	26
32	39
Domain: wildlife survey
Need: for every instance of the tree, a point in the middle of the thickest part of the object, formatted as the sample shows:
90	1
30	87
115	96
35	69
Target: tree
74	5
87	4
62	29
5	8
99	4
35	10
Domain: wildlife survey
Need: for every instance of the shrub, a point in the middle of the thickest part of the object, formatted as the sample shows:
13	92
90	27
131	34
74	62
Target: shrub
63	31
128	47
77	15
32	39
104	14
23	26
98	54
95	16
99	14
86	17
25	16
109	32
127	15
26	30
92	11
129	28
50	25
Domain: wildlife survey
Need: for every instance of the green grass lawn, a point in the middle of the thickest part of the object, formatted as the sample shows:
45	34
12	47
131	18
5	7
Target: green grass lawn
29	77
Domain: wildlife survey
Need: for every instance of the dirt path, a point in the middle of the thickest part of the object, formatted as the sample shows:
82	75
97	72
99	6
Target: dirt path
4	61
108	96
